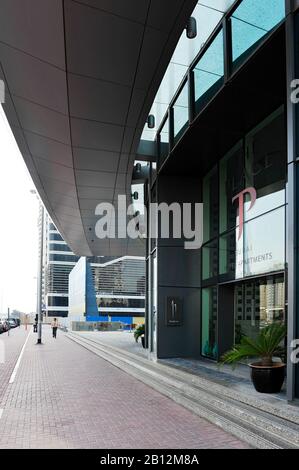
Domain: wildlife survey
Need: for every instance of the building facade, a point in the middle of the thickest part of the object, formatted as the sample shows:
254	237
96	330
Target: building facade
111	291
229	139
59	261
118	283
208	111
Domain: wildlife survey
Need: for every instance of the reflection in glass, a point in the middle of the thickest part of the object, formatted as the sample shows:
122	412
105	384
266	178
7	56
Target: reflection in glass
164	141
264	252
210	260
154	305
209	73
208	13
231	255
209	323
181	113
258	303
59	247
210	205
231	183
265	165
251	22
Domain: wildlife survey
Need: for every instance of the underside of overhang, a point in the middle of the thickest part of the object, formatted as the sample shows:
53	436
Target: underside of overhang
80	79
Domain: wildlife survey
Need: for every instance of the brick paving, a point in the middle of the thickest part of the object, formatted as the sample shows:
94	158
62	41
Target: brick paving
66	397
13	345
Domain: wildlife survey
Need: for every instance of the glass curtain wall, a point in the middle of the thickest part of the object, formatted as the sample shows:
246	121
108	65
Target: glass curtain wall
209	323
257	304
239	243
250	23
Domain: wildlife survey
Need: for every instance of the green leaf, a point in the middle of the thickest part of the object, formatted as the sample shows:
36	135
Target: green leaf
266	345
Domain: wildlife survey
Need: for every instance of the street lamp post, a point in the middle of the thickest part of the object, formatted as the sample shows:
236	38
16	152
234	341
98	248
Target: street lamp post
40	279
40	273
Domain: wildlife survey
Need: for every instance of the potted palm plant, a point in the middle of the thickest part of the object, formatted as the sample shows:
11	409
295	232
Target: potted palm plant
267	375
139	333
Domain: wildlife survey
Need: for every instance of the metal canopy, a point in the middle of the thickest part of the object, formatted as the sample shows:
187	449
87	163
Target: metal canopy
80	79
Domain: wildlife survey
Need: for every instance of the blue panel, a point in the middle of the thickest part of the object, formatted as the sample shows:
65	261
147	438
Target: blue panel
96	318
91	300
127	320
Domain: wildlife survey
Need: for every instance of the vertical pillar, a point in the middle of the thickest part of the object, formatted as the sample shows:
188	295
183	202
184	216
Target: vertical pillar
292	252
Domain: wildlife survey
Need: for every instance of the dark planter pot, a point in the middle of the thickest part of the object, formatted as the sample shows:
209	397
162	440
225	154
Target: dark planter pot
143	341
267	379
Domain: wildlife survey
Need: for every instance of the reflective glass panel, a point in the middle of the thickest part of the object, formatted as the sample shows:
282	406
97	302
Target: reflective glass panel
210	260
231	181
181	113
209	73
210	205
265	164
251	22
209	323
264	252
258	303
231	254
164	141
208	13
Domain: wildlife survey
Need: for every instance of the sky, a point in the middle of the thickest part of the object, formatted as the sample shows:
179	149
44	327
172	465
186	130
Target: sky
18	229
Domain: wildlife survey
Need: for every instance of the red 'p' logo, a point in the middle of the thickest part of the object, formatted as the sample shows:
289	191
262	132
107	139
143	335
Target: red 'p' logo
240	198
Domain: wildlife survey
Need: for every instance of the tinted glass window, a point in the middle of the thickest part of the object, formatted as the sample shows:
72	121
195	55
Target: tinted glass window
251	22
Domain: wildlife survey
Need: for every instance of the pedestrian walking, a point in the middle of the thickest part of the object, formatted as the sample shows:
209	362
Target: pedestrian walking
34	326
54	327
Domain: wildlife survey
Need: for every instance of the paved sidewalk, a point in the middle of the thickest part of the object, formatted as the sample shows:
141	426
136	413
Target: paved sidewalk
66	397
119	339
13	344
238	379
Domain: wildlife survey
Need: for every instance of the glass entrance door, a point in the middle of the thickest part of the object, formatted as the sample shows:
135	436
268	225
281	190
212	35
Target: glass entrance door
258	303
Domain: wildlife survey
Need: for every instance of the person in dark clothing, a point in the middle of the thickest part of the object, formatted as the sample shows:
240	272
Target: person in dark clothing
54	327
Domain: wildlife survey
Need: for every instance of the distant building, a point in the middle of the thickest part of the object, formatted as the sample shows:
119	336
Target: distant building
119	283
113	290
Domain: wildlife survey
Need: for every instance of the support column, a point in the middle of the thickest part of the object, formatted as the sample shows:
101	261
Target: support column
292	250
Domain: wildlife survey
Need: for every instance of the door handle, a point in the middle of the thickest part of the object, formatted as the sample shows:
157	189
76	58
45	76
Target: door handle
173	309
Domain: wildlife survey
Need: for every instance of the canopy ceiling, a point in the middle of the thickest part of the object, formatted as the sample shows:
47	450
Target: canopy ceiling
80	79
